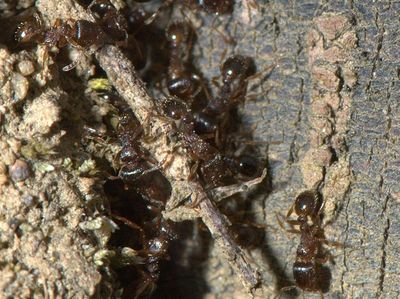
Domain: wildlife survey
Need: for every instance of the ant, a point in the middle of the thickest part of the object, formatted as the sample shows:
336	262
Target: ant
235	72
81	34
180	83
308	272
214	117
215	168
110	27
155	233
134	161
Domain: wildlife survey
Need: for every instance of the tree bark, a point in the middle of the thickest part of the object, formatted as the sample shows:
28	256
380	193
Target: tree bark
324	115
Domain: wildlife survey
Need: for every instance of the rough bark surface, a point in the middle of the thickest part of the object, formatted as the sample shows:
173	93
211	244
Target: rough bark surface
325	115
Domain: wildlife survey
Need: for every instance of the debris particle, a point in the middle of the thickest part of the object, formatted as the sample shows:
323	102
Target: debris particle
19	171
26	67
20	87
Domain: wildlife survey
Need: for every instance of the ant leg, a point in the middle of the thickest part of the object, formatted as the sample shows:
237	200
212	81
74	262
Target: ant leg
292	230
95	135
215	82
253	97
163	6
70	66
167	160
333	243
252	5
132	225
227	39
267	69
147	286
285	289
218	138
290	211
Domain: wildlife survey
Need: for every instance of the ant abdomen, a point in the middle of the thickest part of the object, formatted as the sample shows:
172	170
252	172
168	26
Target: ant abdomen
182	87
85	33
30	30
204	123
131	172
248	166
305	275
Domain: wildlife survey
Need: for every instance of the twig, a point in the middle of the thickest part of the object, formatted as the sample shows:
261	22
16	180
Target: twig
226	191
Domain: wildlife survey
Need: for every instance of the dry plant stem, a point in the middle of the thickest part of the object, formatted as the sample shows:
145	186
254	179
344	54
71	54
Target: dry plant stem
226	191
123	77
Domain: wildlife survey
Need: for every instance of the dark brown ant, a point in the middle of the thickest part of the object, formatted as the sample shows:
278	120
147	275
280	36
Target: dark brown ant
135	163
310	255
181	83
234	71
214	119
81	34
155	233
215	168
109	28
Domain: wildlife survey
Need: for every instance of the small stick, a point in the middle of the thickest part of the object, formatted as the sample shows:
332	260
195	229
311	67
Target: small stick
123	77
220	193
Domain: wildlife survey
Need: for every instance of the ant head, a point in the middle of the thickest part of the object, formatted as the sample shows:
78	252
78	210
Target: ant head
217	6
102	7
248	166
236	67
177	33
135	18
307	203
29	30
